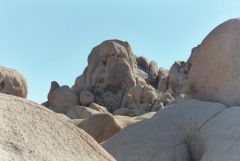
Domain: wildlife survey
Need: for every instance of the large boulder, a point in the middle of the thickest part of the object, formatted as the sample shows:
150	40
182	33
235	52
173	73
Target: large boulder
60	99
215	74
32	132
111	71
186	131
12	82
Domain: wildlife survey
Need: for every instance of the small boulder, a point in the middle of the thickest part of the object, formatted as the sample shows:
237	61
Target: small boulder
100	126
12	82
86	97
61	98
98	108
143	63
157	105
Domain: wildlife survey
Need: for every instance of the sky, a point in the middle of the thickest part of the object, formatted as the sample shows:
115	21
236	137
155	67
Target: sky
48	40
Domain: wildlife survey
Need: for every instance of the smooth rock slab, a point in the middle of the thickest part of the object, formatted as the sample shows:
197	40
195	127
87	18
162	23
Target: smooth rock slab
215	74
32	132
186	131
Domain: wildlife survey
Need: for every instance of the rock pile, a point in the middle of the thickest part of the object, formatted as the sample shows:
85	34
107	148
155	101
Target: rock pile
118	80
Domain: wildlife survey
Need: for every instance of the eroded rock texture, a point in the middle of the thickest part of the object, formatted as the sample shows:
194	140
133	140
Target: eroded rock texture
12	82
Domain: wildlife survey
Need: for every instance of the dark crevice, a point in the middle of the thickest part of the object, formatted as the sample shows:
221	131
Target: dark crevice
2	85
211	118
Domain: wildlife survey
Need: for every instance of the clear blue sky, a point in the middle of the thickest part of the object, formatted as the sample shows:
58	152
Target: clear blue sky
50	39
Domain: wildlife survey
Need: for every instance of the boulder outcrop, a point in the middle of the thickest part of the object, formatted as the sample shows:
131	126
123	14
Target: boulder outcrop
111	71
113	75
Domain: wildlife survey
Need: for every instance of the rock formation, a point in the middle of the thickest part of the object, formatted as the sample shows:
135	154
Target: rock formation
112	79
12	82
191	130
32	132
215	74
60	99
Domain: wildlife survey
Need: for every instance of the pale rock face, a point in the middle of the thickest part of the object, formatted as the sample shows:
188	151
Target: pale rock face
142	74
111	71
12	82
215	74
140	98
163	80
80	112
153	74
178	77
100	126
86	97
186	131
61	98
32	132
103	126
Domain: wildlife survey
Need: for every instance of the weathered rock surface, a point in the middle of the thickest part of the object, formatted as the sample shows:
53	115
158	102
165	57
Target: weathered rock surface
190	130
60	99
102	126
215	74
32	132
98	108
111	71
163	79
178	77
153	74
12	82
80	112
113	74
140	98
86	97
